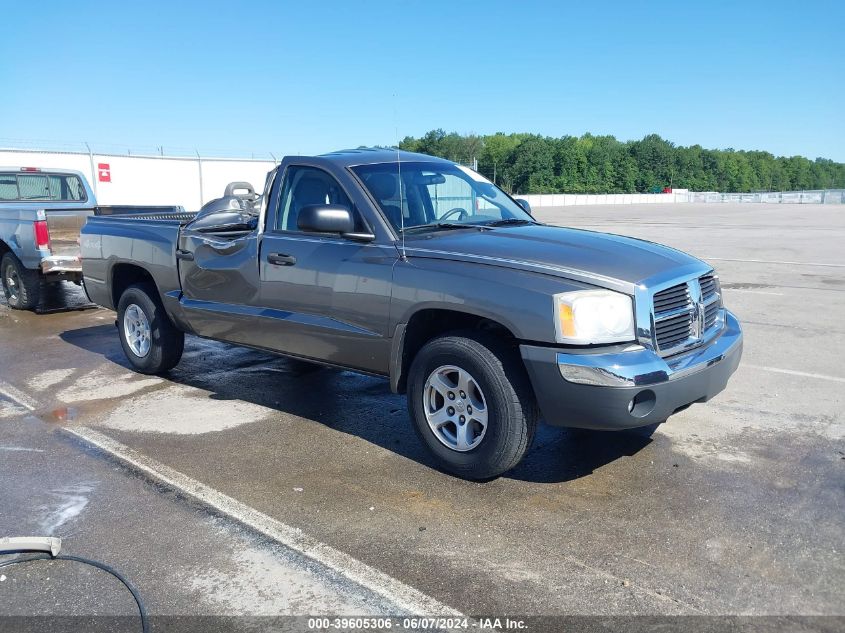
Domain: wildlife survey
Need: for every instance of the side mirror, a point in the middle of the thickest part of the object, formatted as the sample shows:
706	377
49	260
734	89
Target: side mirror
330	218
525	206
325	218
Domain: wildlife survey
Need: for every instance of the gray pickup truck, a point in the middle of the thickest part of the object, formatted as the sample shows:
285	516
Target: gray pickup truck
41	214
422	271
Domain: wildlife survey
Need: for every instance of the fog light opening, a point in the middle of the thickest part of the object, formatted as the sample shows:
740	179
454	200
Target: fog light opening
642	404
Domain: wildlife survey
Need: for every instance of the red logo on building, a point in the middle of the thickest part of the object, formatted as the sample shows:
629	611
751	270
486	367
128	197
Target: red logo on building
104	172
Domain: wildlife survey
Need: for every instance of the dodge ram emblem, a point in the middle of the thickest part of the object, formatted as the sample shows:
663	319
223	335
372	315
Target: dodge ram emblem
697	320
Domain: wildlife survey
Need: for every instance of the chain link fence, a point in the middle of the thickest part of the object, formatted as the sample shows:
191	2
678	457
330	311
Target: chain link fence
820	196
138	151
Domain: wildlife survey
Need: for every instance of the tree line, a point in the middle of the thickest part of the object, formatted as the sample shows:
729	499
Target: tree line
530	163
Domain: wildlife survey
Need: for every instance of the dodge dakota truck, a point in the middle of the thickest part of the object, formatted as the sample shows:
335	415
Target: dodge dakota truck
424	272
41	214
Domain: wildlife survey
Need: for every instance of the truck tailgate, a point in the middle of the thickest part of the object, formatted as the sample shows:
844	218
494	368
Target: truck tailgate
64	226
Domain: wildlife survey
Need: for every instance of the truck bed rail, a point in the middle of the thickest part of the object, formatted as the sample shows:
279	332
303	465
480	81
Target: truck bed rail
142	213
151	212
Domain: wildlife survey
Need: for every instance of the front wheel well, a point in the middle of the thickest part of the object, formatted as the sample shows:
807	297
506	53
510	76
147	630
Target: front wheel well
428	324
4	248
125	275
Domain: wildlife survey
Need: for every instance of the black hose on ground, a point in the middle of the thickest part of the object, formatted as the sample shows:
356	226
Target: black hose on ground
93	563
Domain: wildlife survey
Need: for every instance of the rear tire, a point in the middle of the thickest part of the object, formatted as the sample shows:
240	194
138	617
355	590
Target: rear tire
476	388
21	285
151	342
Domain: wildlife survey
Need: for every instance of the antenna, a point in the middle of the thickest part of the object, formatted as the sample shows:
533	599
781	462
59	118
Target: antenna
401	207
399	171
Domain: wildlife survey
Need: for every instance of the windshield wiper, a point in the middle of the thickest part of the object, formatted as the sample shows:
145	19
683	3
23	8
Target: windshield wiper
443	225
508	221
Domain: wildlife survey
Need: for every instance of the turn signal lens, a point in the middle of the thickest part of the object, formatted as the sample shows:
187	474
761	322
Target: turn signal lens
42	234
567	320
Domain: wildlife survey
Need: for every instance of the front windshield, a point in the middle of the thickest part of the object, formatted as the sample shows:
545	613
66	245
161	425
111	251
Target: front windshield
434	195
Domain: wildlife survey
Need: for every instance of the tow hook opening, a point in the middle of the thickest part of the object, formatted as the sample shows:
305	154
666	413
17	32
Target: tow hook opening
642	404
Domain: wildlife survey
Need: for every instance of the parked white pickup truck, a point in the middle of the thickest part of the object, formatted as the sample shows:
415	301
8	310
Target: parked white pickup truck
41	214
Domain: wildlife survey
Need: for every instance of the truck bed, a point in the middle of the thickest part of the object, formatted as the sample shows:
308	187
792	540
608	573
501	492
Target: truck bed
115	242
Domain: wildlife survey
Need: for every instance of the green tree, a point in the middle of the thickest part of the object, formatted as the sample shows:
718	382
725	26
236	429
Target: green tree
529	163
497	150
533	166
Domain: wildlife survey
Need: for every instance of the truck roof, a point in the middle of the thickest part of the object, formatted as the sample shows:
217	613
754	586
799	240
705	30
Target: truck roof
39	170
376	155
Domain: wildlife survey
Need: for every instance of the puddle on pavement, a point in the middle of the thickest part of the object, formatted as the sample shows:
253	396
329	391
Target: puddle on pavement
62	415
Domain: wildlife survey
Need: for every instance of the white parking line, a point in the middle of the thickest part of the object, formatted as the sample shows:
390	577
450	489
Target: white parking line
772	261
22	449
792	372
17	396
754	292
405	598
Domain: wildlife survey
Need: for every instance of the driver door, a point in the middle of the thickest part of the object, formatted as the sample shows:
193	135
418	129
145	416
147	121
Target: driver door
324	296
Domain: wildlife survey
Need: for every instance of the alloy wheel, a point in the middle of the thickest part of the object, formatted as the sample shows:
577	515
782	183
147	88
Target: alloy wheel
455	408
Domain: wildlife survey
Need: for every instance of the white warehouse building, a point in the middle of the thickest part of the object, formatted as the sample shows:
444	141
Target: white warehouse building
148	180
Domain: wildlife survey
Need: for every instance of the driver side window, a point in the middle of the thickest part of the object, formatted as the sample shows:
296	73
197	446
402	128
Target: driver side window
304	186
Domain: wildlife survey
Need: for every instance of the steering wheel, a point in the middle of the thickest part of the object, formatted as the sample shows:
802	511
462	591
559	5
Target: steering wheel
461	213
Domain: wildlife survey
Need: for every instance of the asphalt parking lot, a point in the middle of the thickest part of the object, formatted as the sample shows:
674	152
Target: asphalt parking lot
732	507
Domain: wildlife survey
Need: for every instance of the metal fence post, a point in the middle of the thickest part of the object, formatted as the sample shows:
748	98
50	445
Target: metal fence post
199	164
94	178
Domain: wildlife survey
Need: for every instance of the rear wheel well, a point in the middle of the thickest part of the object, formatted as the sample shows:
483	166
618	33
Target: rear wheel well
125	275
427	324
4	248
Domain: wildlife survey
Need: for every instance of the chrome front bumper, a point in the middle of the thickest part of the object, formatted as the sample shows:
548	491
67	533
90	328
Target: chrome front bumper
638	366
630	387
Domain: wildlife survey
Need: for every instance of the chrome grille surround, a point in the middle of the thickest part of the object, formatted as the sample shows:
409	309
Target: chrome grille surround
679	312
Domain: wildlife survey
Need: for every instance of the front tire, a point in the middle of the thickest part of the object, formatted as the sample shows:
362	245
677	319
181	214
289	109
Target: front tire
21	285
471	404
151	342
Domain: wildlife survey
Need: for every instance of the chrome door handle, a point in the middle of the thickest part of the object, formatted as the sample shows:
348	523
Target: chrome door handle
280	259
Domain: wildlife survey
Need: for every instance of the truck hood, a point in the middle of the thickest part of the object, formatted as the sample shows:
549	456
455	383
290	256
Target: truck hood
601	259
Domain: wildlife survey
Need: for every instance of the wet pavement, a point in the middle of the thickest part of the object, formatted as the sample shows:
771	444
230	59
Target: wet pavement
183	559
732	507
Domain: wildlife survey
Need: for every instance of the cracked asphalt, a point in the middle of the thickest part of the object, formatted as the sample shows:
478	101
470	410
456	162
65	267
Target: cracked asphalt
731	507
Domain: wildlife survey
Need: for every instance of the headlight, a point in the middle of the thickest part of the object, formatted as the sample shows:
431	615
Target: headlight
585	317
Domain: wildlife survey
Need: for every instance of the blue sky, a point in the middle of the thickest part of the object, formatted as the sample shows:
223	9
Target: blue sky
308	77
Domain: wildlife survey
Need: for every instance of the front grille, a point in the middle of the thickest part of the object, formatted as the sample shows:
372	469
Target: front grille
674	309
708	286
672	298
710	314
673	331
